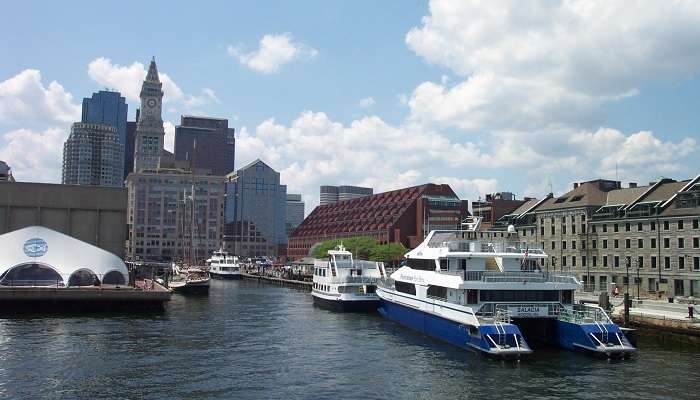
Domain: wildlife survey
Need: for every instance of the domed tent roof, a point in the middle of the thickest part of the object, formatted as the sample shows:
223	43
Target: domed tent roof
40	246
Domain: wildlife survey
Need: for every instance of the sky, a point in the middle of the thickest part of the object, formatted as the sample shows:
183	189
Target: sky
519	96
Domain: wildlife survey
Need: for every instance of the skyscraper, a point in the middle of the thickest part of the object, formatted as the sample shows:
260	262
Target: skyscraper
255	211
150	134
215	141
92	155
334	194
106	107
5	173
129	146
295	212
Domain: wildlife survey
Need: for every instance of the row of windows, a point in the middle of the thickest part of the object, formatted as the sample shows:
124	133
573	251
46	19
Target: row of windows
679	225
680	243
325	288
639	262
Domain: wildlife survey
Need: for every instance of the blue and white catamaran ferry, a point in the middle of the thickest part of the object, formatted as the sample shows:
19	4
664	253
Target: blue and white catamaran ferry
343	284
490	297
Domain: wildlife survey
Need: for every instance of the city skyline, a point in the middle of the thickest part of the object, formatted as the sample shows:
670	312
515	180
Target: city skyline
490	111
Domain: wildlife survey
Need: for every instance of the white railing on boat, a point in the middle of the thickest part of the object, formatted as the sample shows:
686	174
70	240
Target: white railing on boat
474	246
351	279
515	276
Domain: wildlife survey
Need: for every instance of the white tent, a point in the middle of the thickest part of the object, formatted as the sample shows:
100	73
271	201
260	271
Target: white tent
39	256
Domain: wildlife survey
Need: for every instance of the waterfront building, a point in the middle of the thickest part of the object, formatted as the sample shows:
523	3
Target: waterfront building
39	256
5	173
403	216
174	212
255	212
295	212
599	229
334	194
207	142
494	206
92	214
93	155
148	146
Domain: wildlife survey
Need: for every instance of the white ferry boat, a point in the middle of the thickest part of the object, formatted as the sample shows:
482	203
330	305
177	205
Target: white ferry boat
489	297
223	265
343	284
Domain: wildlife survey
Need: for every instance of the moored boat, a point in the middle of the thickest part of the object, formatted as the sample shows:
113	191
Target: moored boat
223	265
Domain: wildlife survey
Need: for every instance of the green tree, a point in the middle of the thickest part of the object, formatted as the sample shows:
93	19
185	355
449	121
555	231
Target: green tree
363	248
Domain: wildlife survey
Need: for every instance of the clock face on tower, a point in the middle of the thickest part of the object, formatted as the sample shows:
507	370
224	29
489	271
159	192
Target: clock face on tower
151	103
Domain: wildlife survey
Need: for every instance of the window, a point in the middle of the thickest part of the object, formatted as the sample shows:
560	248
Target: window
83	277
616	262
616	243
519	295
583	261
421	264
552	230
681	243
594	243
653	243
605	243
667	243
640	262
627	227
696	242
696	263
653	262
573	244
563	245
605	227
438	292
593	228
404	287
639	227
31	274
563	229
605	261
616	228
665	225
628	243
667	262
113	278
542	231
653	226
553	245
640	243
696	224
573	261
595	261
573	229
563	261
681	262
680	224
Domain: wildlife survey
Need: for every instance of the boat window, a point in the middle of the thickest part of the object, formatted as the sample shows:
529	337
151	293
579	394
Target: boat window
113	278
437	292
421	264
404	287
370	289
567	296
519	295
443	264
32	274
472	296
83	277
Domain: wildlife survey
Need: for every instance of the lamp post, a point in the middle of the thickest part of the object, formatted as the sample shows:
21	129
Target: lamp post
639	281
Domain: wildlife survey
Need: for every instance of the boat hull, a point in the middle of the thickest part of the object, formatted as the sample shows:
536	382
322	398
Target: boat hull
215	275
346	305
192	288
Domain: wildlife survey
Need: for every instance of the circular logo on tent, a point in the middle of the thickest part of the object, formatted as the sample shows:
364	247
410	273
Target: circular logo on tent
35	247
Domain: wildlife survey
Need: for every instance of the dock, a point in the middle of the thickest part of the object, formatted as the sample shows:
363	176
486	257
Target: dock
305	285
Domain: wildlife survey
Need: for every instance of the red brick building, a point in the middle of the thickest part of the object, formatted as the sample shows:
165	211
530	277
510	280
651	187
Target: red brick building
404	216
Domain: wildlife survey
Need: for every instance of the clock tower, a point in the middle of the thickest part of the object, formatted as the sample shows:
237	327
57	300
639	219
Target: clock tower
148	145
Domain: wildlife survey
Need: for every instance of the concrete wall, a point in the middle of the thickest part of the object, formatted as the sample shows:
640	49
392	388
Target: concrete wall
96	215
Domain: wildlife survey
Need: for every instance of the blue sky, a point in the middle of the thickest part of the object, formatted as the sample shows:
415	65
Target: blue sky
511	96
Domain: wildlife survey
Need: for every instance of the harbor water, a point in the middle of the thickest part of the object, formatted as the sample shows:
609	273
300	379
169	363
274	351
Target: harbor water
254	340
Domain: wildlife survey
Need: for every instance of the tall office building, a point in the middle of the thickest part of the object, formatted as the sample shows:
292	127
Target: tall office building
148	146
295	212
255	212
174	210
334	194
5	173
129	146
207	142
106	107
93	155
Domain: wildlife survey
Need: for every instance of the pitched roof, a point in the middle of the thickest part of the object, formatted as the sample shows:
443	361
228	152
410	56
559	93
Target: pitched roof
152	75
592	193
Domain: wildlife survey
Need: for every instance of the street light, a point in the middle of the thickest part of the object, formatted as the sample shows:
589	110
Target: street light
627	287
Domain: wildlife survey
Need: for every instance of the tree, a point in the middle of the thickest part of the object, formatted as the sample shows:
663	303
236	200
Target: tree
363	248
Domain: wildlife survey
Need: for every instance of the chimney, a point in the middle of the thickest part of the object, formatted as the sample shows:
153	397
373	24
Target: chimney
575	185
652	183
633	185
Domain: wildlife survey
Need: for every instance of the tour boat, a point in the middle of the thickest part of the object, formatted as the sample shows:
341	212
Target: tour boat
491	296
343	284
223	265
190	280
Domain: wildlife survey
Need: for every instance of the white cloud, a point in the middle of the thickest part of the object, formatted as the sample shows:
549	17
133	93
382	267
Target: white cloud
35	156
274	51
471	189
549	63
207	96
128	79
25	99
366	102
169	139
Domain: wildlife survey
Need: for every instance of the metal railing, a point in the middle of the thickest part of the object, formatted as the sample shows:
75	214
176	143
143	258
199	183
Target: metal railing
351	279
584	313
515	276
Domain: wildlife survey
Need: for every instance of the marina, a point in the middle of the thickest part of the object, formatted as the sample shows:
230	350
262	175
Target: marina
251	339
